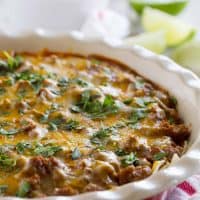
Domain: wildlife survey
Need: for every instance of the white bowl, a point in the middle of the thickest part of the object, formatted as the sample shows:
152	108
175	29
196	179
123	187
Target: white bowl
181	83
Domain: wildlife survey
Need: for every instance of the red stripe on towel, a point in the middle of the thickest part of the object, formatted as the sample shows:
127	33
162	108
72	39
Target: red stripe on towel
187	188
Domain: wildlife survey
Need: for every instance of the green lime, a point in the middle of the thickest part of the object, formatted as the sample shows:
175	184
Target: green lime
188	55
154	41
172	7
177	31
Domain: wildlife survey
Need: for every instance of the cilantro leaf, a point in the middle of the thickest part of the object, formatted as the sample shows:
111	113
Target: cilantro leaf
3	64
22	146
33	78
129	159
46	150
80	82
159	156
2	90
128	101
24	189
71	125
8	132
144	101
63	82
120	152
76	154
93	108
3	189
103	133
100	135
61	123
173	101
12	63
136	115
54	107
6	162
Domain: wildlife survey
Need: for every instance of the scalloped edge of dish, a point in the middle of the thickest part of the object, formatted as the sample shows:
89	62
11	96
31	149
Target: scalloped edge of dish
161	180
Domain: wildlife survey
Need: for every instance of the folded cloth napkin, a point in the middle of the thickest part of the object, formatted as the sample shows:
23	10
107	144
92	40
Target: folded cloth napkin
183	191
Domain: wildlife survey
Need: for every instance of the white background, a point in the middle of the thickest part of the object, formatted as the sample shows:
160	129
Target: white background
64	15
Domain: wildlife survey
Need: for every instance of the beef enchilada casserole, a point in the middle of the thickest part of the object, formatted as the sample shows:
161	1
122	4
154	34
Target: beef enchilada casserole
71	124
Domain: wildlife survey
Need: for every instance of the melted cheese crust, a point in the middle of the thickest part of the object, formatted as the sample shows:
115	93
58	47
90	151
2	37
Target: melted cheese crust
71	124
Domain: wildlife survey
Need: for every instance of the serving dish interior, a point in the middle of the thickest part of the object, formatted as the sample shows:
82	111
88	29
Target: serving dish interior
144	63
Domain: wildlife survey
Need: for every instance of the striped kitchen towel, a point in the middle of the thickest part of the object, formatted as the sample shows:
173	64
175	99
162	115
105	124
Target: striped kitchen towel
183	191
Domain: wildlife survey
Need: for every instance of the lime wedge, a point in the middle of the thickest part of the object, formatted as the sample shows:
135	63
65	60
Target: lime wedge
177	32
188	55
172	7
154	41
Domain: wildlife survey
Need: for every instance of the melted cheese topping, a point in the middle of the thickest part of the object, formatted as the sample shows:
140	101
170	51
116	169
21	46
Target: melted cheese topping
71	124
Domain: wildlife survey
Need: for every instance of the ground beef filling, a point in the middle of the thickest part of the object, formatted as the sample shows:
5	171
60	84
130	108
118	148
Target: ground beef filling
71	124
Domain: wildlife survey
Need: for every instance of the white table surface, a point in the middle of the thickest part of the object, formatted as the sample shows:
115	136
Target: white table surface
62	15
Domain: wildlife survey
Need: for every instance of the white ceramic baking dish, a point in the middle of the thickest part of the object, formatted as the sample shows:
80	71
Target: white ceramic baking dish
181	83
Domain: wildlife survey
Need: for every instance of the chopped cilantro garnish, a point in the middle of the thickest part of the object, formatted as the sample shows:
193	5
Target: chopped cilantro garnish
144	101
94	109
10	81
173	101
80	82
44	117
120	124
2	90
24	189
120	152
6	162
52	126
102	134
127	101
75	109
171	120
12	63
129	159
8	132
21	93
52	75
57	122
159	156
61	123
3	189
56	92
76	154
100	147
136	115
71	125
3	64
54	107
22	146
46	150
34	78
63	82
